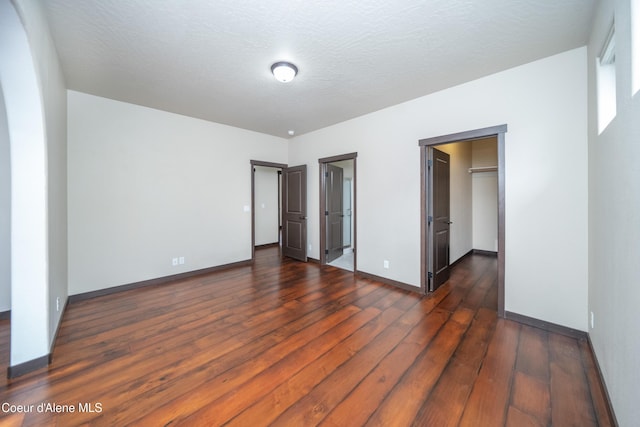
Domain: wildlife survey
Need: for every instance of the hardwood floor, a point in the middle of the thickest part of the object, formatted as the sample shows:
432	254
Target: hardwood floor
291	344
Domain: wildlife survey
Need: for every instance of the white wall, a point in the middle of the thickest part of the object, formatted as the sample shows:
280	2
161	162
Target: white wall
5	211
461	209
544	105
614	221
266	205
485	195
146	186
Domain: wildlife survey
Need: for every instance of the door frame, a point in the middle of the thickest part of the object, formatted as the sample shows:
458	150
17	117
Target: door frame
253	200
497	131
323	203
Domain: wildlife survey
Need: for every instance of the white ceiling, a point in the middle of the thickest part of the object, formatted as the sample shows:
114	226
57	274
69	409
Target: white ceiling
211	58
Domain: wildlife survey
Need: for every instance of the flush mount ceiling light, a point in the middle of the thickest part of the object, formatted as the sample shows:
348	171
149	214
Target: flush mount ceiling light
284	71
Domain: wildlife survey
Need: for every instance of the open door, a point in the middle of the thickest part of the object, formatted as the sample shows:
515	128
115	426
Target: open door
294	213
334	213
346	208
439	219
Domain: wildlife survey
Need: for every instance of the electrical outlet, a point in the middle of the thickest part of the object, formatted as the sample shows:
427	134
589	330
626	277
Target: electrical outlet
593	320
174	261
181	260
385	263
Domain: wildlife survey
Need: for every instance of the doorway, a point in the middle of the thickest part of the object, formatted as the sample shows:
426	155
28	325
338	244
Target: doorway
266	188
428	229
338	211
266	202
290	199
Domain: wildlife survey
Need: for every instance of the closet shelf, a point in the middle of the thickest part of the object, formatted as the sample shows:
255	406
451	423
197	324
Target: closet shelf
483	169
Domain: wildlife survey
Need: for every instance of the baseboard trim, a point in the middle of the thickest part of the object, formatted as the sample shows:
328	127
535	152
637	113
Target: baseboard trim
155	282
40	362
483	252
55	334
545	326
473	252
572	333
4	315
29	366
603	386
389	282
267	245
459	260
43	361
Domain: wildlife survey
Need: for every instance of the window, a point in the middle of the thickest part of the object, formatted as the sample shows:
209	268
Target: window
606	81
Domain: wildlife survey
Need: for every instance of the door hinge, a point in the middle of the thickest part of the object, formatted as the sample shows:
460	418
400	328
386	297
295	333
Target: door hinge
429	163
430	275
326	213
326	251
429	219
326	174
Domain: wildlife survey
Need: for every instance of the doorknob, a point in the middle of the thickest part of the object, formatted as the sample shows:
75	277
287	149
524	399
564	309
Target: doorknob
303	217
449	222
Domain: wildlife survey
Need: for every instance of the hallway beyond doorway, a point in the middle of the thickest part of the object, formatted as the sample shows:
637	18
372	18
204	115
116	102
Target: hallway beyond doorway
345	261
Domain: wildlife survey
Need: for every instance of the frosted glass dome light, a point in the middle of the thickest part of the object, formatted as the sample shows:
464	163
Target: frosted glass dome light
284	71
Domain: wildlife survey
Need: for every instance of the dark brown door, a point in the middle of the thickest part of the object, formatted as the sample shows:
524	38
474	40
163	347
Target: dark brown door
294	215
334	213
440	221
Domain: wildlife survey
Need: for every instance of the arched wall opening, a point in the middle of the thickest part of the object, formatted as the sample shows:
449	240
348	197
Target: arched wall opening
29	264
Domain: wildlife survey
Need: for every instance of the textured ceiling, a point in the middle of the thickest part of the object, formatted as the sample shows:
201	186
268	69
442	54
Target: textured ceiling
211	59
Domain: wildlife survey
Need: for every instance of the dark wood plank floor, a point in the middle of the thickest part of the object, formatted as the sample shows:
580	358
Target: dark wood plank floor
291	344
